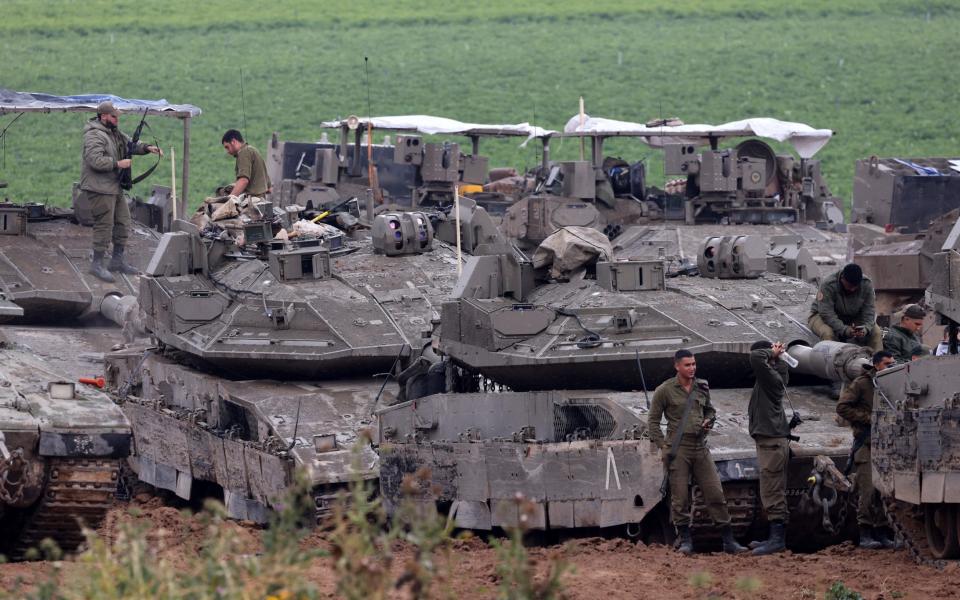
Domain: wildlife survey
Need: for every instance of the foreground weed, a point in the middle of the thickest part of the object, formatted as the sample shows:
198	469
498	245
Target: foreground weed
517	570
839	591
135	565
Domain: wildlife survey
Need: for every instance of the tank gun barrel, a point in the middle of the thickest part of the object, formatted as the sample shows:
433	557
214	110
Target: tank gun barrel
124	311
834	361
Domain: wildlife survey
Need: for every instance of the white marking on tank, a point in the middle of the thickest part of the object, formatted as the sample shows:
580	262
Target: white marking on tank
612	464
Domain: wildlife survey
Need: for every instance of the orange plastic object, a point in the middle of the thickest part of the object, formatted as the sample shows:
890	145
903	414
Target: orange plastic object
100	382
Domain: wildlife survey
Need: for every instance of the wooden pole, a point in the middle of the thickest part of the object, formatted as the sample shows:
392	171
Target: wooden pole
173	181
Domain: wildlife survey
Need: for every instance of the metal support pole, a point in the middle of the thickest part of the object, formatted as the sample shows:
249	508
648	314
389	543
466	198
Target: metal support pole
185	171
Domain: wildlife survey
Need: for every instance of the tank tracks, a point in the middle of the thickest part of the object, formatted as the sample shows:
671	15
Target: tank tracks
908	526
77	495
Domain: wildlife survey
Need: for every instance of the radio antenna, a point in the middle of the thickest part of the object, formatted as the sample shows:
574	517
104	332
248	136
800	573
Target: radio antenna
243	104
366	84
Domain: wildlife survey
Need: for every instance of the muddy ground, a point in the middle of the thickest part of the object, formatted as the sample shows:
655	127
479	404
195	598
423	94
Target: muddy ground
597	568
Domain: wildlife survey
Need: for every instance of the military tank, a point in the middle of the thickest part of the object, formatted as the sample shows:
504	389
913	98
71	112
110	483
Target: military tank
915	419
547	392
267	337
61	445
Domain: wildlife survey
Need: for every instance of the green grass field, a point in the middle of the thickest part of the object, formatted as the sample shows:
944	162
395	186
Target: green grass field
881	74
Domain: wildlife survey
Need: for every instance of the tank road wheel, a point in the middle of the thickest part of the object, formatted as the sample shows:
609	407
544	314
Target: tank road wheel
940	524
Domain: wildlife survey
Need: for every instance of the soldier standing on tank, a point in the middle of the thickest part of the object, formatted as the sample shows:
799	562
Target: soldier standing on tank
900	340
685	402
845	309
770	430
250	171
105	155
856	406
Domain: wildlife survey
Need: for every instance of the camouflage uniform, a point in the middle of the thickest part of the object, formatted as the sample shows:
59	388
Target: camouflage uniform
834	310
250	165
103	147
693	456
856	406
900	342
770	430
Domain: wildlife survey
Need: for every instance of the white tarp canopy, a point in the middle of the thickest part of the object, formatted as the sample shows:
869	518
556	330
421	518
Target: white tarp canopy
12	101
806	140
428	125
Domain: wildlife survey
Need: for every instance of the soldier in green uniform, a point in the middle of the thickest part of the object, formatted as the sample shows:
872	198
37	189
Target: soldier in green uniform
856	406
104	157
900	340
250	171
845	309
770	430
685	402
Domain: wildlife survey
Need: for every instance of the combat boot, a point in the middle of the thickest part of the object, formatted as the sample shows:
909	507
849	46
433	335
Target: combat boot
118	264
684	541
866	539
98	270
880	534
730	545
776	543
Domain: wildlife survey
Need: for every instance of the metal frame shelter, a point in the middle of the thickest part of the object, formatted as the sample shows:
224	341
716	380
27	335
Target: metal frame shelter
24	102
806	140
430	125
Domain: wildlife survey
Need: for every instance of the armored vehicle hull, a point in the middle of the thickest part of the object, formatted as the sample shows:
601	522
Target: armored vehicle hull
247	436
583	459
60	451
44	262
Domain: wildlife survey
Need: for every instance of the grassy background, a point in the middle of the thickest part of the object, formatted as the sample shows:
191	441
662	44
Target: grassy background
881	73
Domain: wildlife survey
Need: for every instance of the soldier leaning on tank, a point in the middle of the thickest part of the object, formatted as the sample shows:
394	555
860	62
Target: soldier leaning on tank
770	430
845	309
688	439
856	406
250	171
104	157
900	340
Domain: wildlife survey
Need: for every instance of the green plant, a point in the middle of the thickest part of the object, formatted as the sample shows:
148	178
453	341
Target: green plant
135	565
839	591
517	570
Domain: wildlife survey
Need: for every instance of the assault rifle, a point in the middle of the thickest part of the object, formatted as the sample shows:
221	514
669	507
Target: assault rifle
127	180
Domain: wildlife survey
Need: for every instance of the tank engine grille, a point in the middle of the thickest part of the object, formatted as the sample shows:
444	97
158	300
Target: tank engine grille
581	422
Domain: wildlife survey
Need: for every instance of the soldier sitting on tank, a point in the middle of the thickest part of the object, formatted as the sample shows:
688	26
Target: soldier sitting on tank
845	310
856	406
770	430
901	339
685	402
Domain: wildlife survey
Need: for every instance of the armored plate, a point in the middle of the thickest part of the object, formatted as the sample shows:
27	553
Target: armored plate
642	242
717	319
245	436
372	309
45	270
581	457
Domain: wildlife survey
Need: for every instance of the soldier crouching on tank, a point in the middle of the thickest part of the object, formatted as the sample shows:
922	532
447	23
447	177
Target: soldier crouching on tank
856	406
685	401
900	340
105	156
845	309
770	430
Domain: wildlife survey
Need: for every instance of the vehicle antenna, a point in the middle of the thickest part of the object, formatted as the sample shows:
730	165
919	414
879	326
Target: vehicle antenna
243	107
366	83
3	138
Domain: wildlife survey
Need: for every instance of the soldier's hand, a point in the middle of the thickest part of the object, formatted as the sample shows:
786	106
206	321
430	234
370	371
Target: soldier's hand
778	349
155	150
707	424
859	331
124	164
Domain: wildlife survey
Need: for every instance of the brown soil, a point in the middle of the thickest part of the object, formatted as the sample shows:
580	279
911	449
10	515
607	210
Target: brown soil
597	568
